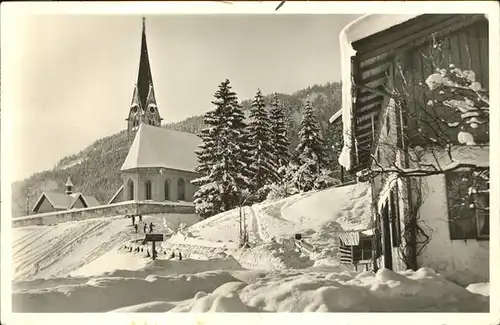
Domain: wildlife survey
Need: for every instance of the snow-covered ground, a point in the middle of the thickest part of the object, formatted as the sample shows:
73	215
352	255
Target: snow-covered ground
86	247
250	291
101	265
318	216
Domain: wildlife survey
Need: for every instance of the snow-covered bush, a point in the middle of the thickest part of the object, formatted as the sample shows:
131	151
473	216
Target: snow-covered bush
325	180
465	97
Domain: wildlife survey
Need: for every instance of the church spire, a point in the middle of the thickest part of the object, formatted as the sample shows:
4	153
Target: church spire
143	108
144	77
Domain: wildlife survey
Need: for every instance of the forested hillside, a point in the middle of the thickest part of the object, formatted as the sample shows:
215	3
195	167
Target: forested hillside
96	169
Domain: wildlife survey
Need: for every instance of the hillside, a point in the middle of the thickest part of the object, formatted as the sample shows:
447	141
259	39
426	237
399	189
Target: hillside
96	169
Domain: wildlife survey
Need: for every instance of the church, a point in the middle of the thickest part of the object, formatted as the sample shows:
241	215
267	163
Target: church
161	163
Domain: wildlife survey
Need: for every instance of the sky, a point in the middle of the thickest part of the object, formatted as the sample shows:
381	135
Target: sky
74	75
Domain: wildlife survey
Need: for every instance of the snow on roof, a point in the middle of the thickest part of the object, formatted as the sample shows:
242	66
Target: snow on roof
335	116
57	200
65	201
160	147
91	201
120	191
358	29
69	182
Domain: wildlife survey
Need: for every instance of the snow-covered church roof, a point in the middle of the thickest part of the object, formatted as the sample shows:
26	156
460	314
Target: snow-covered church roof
158	147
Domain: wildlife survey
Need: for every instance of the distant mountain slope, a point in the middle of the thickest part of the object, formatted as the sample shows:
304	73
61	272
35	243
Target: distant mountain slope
96	169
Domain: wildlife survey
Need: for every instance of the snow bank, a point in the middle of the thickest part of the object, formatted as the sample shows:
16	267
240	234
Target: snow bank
316	215
185	266
279	291
271	256
480	288
110	293
340	292
148	307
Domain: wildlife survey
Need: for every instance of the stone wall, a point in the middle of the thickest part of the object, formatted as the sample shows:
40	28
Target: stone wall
122	208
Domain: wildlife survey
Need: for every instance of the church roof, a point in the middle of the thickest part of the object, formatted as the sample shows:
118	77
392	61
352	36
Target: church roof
144	77
135	98
160	147
151	97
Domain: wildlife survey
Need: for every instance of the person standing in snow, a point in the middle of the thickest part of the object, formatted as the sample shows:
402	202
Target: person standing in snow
133	220
145	227
140	218
151	227
180	256
136	226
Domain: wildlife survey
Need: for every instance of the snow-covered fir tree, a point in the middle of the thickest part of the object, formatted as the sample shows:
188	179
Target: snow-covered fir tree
310	153
222	160
263	167
207	199
279	135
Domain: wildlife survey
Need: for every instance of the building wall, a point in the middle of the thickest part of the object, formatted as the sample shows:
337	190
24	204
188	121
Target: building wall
78	204
45	207
386	153
141	176
463	261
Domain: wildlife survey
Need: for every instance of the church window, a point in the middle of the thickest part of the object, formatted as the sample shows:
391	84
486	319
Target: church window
148	190
181	188
167	190
130	186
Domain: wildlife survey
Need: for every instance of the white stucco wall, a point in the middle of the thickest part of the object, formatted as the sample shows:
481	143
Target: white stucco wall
139	177
461	261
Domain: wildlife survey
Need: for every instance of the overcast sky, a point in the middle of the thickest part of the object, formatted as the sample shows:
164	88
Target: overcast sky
75	74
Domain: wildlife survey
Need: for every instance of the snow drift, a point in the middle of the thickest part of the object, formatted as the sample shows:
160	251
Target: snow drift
290	291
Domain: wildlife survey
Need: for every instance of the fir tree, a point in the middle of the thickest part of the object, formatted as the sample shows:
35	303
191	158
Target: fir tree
279	135
310	153
207	199
263	168
222	158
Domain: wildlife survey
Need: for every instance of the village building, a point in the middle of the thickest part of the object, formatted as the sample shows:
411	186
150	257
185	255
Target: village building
161	163
51	201
378	65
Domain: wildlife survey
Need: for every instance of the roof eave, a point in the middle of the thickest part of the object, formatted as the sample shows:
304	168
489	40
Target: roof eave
358	29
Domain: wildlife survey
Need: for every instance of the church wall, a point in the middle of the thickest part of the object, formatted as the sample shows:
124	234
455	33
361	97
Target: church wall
141	176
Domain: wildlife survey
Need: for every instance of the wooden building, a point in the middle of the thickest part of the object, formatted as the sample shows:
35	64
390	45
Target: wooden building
386	60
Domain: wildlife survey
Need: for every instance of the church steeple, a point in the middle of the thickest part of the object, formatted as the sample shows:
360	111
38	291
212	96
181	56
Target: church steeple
144	77
143	108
